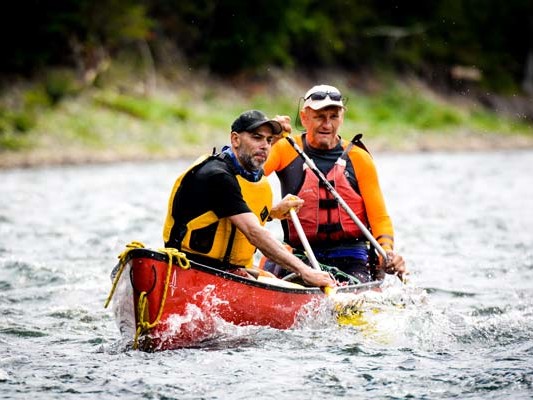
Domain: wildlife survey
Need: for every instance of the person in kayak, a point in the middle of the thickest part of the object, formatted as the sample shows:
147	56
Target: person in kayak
219	206
334	236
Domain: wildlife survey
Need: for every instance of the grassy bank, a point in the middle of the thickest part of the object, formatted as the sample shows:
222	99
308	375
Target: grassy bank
181	114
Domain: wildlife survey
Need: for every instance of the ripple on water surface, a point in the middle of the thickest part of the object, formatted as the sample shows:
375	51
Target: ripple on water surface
455	218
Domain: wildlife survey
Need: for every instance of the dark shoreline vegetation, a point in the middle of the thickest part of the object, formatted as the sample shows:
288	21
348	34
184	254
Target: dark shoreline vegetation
127	116
92	81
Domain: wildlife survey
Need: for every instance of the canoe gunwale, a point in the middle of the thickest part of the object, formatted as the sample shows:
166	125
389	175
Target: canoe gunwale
159	256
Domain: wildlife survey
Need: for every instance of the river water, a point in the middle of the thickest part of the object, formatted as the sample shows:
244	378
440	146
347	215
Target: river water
463	222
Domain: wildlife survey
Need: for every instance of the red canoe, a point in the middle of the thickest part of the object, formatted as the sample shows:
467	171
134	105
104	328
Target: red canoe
164	305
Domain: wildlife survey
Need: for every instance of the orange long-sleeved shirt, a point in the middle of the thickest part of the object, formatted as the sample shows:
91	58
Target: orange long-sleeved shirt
285	161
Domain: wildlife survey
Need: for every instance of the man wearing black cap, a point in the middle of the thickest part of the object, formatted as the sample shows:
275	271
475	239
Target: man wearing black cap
219	206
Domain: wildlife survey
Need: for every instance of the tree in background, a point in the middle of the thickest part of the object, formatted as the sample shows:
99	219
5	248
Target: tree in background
482	39
82	33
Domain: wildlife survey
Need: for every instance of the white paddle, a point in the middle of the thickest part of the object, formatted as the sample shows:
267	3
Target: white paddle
303	239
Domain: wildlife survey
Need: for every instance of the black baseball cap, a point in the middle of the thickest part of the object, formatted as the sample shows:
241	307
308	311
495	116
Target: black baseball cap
249	120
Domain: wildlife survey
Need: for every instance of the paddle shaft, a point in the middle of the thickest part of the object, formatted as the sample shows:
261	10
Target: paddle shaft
311	164
303	239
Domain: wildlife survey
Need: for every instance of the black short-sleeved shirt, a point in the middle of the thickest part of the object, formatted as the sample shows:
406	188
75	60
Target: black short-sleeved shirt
212	187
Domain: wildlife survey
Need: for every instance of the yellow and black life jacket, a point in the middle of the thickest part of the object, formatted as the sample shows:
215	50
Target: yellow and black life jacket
217	240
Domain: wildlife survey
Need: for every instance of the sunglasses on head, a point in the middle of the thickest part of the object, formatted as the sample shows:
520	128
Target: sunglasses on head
335	96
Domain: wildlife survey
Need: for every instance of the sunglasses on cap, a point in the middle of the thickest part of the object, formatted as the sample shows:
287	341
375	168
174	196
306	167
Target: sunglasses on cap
335	96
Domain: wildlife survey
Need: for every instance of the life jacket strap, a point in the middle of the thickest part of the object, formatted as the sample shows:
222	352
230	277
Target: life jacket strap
327	203
323	185
227	255
328	228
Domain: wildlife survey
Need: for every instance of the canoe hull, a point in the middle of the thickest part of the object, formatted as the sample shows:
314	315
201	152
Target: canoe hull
182	306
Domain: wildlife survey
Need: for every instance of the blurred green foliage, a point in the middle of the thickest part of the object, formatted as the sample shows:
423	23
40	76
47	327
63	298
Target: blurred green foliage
402	110
239	35
80	56
142	107
192	123
14	126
